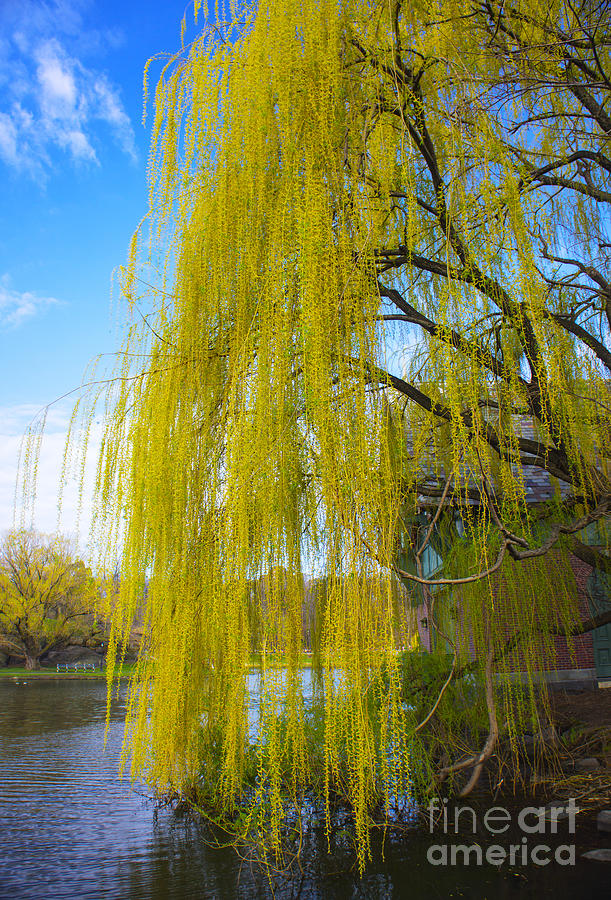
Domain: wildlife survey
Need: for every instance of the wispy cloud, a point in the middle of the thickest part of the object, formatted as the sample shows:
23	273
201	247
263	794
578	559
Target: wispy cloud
8	139
18	306
17	418
50	100
52	509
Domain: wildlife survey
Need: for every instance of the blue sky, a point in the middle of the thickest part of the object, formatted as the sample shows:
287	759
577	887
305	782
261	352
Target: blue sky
73	156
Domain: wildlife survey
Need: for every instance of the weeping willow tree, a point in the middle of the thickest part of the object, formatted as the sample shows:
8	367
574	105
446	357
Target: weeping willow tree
380	237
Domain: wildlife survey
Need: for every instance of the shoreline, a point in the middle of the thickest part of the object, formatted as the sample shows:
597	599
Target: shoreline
49	674
58	676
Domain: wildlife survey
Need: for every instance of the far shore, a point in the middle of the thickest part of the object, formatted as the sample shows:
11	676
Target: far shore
18	673
15	673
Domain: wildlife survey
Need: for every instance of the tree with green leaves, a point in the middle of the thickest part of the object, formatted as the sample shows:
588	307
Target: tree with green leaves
382	233
47	597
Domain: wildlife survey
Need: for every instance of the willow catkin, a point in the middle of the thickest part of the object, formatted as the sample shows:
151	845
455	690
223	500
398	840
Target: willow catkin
262	432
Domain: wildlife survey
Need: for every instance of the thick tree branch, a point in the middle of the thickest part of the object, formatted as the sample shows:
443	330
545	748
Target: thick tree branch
450	336
589	155
590	555
578	331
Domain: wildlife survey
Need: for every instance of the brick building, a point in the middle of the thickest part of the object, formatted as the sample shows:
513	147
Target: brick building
585	659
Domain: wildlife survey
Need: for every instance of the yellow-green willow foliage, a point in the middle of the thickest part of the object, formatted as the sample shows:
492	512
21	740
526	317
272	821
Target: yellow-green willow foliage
313	163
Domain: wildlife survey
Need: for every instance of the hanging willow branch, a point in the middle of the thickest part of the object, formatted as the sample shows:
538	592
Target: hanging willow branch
354	318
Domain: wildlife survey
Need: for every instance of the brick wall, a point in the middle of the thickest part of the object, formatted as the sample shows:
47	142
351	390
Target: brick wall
583	655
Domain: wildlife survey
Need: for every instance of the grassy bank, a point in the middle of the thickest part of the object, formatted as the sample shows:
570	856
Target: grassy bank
17	673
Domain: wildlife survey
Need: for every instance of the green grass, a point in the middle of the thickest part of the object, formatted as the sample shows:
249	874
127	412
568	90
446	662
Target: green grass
278	660
274	660
20	672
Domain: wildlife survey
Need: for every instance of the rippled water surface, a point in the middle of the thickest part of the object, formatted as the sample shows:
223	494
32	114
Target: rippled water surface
70	828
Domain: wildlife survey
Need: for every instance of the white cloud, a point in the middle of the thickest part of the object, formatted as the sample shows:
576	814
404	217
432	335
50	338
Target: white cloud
78	144
8	139
49	100
17	306
110	110
15	419
74	516
56	80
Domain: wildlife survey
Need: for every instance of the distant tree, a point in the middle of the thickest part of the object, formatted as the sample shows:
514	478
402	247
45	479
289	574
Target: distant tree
47	596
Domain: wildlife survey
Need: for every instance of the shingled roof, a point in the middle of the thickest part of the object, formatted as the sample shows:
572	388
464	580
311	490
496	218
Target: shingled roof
539	485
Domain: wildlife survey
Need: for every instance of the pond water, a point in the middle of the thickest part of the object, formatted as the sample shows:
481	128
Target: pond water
70	828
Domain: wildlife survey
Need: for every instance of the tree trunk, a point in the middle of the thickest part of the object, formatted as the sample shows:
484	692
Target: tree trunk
32	663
